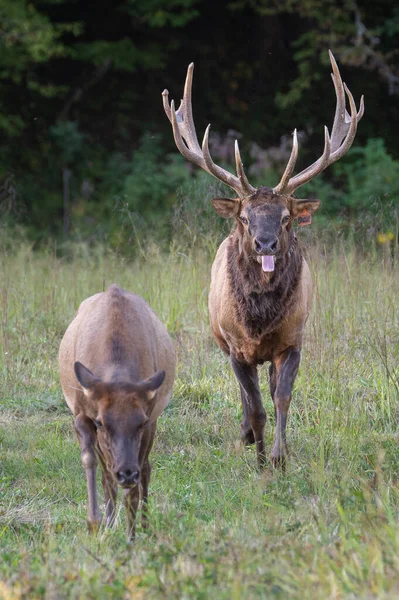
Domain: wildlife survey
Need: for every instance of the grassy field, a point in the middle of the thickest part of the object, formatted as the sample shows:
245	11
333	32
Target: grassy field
219	528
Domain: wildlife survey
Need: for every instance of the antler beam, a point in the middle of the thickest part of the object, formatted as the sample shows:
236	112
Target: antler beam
187	142
335	146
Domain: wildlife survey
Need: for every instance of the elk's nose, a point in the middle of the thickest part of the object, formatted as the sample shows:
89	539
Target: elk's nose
267	246
128	477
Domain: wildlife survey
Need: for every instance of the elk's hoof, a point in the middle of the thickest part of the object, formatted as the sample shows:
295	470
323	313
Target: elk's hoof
279	460
247	435
131	536
262	461
145	522
93	526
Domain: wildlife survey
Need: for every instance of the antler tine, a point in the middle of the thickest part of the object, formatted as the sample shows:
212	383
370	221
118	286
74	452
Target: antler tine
350	131
339	124
187	142
183	115
181	146
289	169
165	102
314	169
240	170
228	178
186	109
342	136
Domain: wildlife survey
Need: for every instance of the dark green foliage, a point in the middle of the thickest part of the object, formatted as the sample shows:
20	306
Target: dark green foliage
153	178
371	175
68	140
80	90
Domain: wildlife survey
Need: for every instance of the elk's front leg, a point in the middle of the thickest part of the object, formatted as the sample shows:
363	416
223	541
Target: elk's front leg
146	445
87	438
285	369
246	433
145	482
247	376
131	499
110	493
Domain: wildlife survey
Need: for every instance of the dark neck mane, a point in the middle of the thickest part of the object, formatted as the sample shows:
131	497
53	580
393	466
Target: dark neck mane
263	299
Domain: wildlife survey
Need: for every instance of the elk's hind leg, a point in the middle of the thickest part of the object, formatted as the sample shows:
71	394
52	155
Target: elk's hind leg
272	382
247	376
286	367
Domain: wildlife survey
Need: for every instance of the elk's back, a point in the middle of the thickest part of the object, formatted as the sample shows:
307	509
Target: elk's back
116	334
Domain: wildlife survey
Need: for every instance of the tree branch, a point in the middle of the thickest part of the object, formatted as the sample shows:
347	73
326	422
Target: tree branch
77	95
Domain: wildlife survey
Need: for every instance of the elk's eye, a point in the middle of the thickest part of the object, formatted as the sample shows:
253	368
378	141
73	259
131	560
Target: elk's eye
98	423
244	220
285	219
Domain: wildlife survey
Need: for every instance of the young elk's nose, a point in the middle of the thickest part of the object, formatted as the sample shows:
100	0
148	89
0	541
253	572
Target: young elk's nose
266	246
128	477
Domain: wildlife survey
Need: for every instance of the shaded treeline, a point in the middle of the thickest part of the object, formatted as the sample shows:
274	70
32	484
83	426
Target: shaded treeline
81	118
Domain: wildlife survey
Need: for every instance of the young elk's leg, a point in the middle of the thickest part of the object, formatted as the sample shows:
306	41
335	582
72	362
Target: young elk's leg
145	481
145	449
110	492
247	376
131	499
87	438
286	368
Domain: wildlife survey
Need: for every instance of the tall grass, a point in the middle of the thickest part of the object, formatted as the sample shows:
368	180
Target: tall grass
219	528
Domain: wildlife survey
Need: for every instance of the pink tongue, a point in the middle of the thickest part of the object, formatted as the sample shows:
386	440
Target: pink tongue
268	263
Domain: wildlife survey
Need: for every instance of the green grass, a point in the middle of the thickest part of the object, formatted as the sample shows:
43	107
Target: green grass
219	528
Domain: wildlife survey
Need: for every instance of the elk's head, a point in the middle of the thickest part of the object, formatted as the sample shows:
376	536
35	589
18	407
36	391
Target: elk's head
264	220
120	412
265	215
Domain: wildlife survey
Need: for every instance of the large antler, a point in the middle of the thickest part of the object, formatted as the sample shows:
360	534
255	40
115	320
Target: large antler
187	141
335	146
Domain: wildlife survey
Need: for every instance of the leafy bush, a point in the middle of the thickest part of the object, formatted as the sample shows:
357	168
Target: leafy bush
372	175
151	186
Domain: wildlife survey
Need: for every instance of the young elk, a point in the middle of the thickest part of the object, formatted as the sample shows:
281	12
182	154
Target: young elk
117	365
261	288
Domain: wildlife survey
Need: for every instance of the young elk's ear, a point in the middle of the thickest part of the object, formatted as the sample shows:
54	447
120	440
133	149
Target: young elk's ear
150	385
86	378
226	207
303	210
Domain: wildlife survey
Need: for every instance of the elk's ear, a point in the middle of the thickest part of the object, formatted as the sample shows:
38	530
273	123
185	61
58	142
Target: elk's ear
150	385
226	207
86	378
303	210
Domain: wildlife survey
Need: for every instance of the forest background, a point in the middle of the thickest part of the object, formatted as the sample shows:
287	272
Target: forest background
87	153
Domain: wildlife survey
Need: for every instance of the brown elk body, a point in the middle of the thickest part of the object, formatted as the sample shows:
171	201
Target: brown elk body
261	288
117	365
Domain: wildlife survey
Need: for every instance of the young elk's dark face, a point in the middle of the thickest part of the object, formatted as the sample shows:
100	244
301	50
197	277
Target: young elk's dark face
120	415
264	220
121	421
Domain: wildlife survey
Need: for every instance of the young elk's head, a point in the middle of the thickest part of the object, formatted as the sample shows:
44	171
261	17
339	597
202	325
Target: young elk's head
264	220
264	214
120	412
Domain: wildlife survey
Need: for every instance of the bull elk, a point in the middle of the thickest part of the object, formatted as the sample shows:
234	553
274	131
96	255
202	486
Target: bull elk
261	288
117	365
